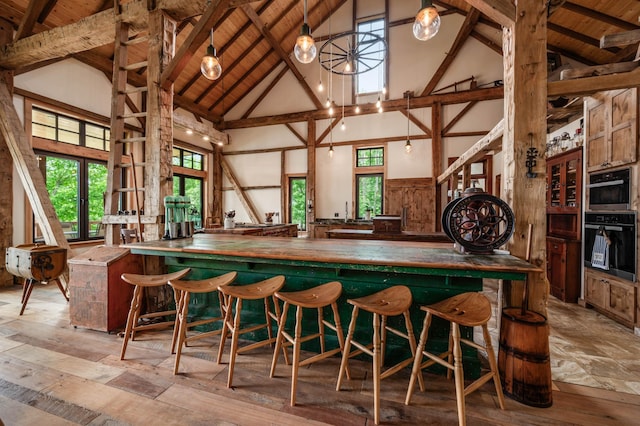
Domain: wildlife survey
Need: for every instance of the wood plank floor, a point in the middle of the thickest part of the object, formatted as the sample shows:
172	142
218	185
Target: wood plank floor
55	374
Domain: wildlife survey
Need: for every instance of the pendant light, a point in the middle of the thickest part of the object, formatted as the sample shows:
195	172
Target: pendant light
210	66
427	21
407	146
305	48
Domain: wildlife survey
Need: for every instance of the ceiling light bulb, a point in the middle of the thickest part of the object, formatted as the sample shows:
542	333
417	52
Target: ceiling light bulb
220	143
384	90
205	138
357	109
378	103
305	48
210	65
189	131
331	110
331	151
343	127
380	110
347	68
328	103
408	147
427	22
320	86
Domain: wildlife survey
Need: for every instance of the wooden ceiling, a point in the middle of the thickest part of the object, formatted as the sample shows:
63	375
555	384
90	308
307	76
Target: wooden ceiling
254	38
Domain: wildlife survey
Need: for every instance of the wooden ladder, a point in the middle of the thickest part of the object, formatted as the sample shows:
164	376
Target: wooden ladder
123	144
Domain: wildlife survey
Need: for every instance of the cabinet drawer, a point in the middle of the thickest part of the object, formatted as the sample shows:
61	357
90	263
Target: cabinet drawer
621	300
595	291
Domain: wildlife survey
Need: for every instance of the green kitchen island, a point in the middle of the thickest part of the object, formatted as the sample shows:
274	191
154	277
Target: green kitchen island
433	271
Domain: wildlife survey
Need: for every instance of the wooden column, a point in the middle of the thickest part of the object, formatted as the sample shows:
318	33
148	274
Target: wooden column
158	179
216	181
311	170
436	155
6	171
525	100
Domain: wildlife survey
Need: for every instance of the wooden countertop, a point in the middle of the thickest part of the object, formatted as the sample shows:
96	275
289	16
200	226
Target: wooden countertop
368	234
358	252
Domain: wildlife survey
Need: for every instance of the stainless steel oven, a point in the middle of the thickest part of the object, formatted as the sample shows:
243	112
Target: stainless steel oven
618	233
610	190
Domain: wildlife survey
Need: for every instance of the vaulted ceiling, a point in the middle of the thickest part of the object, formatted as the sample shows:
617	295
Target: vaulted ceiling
254	38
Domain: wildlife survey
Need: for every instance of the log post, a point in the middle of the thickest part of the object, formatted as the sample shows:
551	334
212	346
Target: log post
6	171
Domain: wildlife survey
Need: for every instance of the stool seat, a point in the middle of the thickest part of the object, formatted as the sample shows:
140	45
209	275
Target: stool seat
467	309
316	297
183	289
259	290
141	282
391	301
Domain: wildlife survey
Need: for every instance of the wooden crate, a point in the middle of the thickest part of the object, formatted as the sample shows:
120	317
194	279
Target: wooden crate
98	298
387	224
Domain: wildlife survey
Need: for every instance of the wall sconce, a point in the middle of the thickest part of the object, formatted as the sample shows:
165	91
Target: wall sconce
427	22
305	47
210	66
309	205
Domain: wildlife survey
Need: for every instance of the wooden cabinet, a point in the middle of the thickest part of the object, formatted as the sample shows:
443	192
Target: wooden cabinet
319	230
611	296
611	129
563	268
414	201
564	182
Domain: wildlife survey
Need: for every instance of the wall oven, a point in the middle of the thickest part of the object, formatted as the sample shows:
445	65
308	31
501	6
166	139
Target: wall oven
618	230
610	190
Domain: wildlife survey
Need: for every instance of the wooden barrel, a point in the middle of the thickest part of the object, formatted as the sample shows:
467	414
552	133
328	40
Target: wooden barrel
523	358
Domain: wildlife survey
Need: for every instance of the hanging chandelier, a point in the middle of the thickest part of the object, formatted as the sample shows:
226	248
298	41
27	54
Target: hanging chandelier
353	52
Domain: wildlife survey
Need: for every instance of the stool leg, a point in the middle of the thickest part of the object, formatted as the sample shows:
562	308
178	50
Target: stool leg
176	327
226	325
377	361
450	351
458	373
135	307
321	329
296	354
25	285
62	290
234	342
181	319
27	293
417	360
412	342
347	347
493	364
279	339
383	339
339	332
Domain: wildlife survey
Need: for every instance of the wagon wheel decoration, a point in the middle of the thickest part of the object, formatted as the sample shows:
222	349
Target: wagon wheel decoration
353	52
480	223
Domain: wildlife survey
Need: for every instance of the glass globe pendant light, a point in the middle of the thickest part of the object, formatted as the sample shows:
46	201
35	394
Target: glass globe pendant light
305	47
210	66
427	21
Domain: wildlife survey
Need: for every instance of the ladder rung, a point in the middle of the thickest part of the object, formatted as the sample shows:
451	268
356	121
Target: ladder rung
135	66
133	115
136	40
134	90
129	190
128	165
136	139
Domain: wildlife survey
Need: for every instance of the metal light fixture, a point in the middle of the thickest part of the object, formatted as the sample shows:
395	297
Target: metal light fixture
305	47
427	21
407	146
210	66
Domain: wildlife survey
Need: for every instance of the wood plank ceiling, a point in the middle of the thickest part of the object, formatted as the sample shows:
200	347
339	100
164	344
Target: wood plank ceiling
254	38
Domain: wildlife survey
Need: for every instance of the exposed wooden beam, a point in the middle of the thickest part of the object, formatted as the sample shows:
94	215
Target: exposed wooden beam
501	11
34	9
196	37
324	134
457	118
482	94
418	123
595	70
244	200
490	142
296	134
569	54
589	85
599	16
275	44
467	26
620	39
265	92
215	136
576	35
487	42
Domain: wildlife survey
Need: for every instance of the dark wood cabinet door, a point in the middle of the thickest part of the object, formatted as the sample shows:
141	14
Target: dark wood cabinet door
414	201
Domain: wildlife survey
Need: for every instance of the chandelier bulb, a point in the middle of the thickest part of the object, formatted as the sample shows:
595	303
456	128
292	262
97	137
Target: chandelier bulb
331	110
380	110
408	147
357	109
427	22
210	66
331	151
320	86
328	103
343	127
378	103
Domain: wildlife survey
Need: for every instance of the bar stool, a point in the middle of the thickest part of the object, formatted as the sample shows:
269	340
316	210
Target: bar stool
261	290
469	310
183	290
392	301
140	282
314	298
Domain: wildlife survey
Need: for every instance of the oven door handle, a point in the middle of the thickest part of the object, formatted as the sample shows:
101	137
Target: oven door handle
606	228
608	183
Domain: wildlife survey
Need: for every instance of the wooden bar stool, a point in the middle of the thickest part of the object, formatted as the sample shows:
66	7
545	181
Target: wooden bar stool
140	282
314	298
392	301
183	290
469	310
261	290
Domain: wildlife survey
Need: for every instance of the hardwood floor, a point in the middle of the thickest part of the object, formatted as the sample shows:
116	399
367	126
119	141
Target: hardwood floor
54	374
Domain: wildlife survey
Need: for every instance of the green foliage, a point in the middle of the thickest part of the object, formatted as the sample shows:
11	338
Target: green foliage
298	202
369	194
62	185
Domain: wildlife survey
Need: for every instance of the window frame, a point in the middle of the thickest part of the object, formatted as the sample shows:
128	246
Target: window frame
384	67
368	170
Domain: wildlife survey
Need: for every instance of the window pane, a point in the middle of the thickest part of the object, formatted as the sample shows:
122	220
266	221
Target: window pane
370	157
176	158
61	176
94	143
197	161
370	195
193	190
69	124
43	131
43	117
187	159
371	75
68	137
96	188
477	168
297	202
